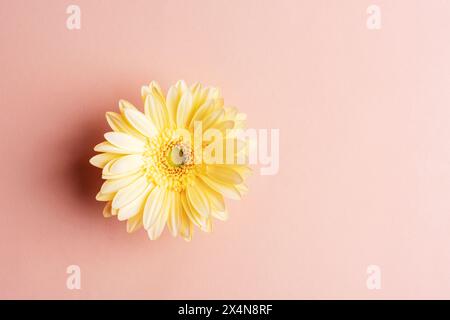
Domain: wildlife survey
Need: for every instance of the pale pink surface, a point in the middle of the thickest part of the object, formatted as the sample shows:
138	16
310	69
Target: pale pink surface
364	119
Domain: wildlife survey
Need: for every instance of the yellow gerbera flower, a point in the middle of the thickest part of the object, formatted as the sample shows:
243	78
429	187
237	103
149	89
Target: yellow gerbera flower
158	172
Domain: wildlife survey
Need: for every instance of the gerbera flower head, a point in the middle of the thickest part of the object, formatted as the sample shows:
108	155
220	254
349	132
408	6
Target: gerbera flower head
173	164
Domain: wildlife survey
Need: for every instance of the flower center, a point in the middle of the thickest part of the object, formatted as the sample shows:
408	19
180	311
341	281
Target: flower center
179	154
169	161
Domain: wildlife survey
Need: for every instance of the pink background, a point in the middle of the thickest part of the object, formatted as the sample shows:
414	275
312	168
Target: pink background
364	119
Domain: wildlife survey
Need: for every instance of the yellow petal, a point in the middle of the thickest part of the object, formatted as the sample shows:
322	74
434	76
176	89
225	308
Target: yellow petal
186	226
152	87
174	219
157	228
227	190
207	227
124	104
230	113
244	171
141	123
204	110
191	213
134	207
107	210
118	123
197	199
156	110
156	89
104	196
181	86
224	125
242	188
101	160
134	223
145	91
153	206
221	215
108	175
197	94
210	120
184	109
126	164
125	141
130	193
200	96
216	199
212	93
172	99
109	148
195	88
225	174
114	185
